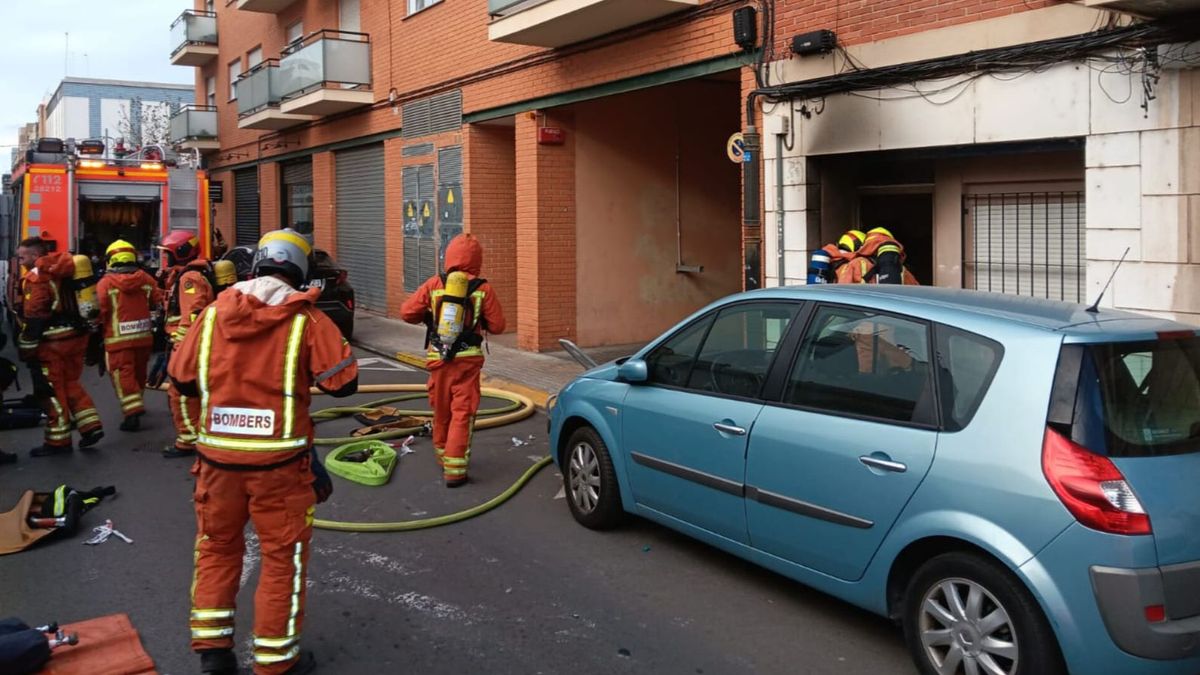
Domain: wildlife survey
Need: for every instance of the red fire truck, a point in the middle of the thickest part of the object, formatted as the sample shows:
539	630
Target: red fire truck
84	196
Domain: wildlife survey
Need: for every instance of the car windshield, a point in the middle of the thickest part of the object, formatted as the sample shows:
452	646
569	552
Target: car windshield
1150	396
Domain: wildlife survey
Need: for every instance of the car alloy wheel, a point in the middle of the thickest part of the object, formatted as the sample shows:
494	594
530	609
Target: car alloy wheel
584	476
591	481
965	629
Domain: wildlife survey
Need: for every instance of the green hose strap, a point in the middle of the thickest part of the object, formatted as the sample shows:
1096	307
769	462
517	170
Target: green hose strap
409	525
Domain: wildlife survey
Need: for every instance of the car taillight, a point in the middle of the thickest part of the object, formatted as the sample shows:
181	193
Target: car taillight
1092	487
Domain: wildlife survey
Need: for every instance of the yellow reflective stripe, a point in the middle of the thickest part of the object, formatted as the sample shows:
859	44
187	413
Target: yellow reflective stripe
297	585
450	471
209	633
183	413
116	316
251	445
210	316
276	643
291	359
54	305
127	338
211	614
277	658
60	500
116	377
455	461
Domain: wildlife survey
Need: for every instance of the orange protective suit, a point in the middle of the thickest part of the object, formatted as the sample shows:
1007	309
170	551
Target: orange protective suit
188	292
864	267
454	384
126	295
252	357
52	338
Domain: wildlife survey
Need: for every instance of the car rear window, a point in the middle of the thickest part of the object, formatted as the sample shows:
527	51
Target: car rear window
966	365
1135	399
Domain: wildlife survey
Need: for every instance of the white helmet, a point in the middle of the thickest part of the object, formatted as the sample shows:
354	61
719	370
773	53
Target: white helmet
283	252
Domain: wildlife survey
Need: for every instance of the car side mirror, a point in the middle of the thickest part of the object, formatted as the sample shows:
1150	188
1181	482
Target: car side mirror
633	371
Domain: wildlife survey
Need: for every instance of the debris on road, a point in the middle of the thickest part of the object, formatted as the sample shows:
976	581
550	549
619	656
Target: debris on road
103	532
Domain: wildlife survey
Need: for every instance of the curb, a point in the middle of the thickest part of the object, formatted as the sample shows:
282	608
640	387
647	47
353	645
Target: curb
540	397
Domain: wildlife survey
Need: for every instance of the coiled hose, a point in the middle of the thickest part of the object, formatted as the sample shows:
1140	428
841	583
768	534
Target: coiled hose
518	408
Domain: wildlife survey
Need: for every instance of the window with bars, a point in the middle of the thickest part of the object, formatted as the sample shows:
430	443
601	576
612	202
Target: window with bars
1026	243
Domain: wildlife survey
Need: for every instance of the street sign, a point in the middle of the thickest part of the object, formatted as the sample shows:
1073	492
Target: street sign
735	147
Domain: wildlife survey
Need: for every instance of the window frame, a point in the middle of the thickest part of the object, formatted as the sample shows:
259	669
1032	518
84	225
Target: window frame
288	30
285	205
425	4
210	90
785	347
233	79
250	63
936	404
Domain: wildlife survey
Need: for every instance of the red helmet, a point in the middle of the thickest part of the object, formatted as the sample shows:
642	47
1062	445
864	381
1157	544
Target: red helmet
182	245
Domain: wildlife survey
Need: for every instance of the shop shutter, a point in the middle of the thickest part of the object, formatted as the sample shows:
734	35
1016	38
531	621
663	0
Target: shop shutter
245	207
450	196
360	223
298	172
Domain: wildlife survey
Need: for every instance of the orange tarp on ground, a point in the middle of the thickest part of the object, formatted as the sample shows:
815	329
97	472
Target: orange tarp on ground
108	645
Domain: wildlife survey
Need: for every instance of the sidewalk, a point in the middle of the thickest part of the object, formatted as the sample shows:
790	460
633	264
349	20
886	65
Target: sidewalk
537	376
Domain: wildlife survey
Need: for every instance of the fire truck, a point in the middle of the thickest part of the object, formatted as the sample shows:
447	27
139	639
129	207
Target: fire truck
85	195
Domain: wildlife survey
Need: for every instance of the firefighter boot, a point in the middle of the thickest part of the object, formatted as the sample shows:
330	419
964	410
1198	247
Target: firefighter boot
175	452
132	423
91	438
47	450
218	662
307	663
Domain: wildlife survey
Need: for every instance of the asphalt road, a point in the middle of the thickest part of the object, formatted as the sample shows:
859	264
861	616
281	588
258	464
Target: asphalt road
522	589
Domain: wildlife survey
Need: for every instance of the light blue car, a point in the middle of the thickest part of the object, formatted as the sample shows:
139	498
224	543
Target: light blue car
1016	481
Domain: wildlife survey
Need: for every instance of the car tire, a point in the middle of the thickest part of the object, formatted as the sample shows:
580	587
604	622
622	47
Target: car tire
590	481
968	627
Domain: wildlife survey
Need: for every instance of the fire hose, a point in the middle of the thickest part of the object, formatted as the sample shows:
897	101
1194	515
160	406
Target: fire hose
518	408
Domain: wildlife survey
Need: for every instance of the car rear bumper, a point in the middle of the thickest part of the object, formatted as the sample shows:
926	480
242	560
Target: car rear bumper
1124	594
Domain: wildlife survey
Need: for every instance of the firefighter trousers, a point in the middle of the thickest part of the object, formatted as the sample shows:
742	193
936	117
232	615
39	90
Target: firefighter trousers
185	411
454	393
128	369
62	364
280	503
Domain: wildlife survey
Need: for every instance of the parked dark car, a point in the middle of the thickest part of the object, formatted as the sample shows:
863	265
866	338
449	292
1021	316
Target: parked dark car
337	295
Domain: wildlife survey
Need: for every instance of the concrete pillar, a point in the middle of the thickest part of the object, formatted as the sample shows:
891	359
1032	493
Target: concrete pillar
393	185
545	187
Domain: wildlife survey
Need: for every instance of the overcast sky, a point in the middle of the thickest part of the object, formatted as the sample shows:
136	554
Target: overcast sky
112	39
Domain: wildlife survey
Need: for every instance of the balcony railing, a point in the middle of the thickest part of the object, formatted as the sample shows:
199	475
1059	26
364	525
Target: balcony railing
195	126
259	96
194	36
335	64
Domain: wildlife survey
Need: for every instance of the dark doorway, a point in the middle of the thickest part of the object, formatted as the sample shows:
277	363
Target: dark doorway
909	217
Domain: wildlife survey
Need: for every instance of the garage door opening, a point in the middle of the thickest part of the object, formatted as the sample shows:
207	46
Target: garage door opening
658	204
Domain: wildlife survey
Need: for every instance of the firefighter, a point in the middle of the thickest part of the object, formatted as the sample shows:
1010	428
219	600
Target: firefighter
189	290
825	261
127	295
880	260
252	358
454	368
53	342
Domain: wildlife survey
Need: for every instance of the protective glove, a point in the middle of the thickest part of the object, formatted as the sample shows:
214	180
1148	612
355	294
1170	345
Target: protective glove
158	370
323	484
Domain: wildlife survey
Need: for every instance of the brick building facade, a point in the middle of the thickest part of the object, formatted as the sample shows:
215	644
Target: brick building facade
630	217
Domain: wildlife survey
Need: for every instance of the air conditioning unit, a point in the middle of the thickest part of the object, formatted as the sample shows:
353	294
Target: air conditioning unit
1152	8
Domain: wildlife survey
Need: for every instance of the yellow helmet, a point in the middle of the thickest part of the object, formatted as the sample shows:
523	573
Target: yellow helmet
852	240
882	231
121	252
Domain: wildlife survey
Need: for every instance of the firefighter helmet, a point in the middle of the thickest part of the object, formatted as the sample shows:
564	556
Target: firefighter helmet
181	245
120	252
283	252
852	240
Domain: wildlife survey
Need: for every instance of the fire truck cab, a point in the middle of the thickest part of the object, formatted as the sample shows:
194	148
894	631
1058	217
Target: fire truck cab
84	197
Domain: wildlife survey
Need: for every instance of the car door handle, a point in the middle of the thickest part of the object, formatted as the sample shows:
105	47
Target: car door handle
883	464
729	429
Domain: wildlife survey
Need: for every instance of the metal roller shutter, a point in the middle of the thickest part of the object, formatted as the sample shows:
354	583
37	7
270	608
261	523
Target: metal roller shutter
420	217
360	223
450	194
246	224
298	172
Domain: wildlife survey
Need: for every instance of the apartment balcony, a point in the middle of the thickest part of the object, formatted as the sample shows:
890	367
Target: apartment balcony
326	73
194	35
194	127
264	6
1151	8
258	99
556	23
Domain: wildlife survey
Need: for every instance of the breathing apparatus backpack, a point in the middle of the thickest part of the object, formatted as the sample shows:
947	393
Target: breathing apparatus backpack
452	328
220	274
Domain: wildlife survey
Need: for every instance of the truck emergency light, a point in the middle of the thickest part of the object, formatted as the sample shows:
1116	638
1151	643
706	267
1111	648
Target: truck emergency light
91	147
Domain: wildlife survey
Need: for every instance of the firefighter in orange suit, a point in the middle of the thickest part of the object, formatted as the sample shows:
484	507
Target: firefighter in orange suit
880	260
127	295
454	369
53	342
188	292
251	358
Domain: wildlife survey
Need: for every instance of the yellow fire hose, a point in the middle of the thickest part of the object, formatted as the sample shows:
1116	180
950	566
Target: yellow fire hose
519	408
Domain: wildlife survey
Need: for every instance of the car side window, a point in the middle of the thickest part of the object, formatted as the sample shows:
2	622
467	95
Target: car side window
671	362
967	363
858	362
738	350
